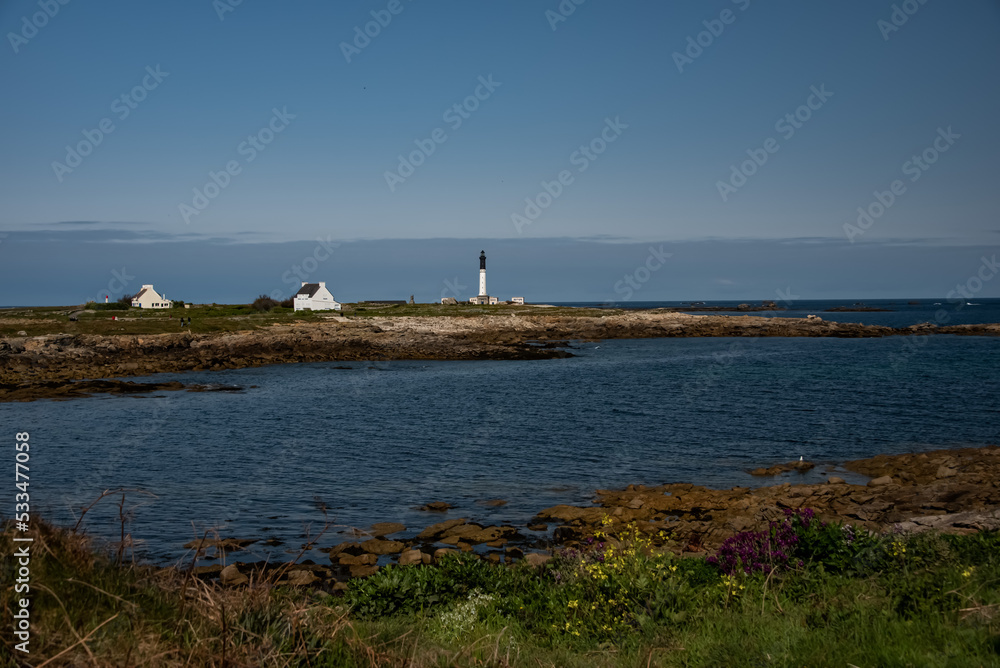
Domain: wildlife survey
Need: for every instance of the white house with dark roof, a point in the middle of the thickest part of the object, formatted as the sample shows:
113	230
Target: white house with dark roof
149	298
315	297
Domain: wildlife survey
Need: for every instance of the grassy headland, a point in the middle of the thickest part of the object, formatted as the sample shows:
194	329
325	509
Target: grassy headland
39	347
205	318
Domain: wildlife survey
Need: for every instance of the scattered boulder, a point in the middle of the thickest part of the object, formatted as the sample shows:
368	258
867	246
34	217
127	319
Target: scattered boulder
410	557
231	576
300	578
363	571
378	546
473	533
799	466
435	530
356	560
880	481
436	506
493	503
442	552
346	547
382	529
834	480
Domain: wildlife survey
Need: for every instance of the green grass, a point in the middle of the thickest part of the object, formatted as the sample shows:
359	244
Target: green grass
38	321
204	319
926	600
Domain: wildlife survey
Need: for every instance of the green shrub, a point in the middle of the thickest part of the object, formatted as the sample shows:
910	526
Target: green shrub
111	306
263	303
401	589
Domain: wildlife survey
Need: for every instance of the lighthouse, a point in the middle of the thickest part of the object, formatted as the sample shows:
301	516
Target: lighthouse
482	297
482	273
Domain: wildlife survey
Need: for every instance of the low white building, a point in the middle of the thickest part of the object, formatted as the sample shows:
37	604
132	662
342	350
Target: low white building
315	297
517	300
149	298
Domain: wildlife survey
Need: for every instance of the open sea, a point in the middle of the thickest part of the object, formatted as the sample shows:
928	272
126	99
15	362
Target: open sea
371	441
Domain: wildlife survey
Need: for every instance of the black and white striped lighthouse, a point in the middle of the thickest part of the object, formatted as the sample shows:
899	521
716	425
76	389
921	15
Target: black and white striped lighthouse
482	274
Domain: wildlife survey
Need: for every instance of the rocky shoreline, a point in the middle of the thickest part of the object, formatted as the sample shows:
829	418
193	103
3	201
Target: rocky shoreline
947	490
66	358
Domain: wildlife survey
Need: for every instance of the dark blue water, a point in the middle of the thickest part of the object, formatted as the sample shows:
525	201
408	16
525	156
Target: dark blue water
898	312
376	439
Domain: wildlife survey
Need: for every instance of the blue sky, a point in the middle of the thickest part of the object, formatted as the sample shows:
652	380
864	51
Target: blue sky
204	85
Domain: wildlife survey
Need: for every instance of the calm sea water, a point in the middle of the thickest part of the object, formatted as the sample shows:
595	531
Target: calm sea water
373	440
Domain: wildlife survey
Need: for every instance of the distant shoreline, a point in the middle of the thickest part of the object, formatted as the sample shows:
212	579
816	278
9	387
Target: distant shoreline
47	361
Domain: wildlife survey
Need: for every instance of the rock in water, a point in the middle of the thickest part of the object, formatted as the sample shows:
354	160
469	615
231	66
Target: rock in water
436	506
435	530
383	529
377	546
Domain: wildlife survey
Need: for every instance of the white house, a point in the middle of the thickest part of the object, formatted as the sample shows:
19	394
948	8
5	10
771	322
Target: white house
149	298
315	297
517	300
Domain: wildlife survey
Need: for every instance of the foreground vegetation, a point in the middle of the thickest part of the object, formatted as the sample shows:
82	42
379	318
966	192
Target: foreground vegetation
800	593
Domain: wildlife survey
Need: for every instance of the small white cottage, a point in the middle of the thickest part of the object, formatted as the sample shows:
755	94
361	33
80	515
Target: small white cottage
149	298
315	297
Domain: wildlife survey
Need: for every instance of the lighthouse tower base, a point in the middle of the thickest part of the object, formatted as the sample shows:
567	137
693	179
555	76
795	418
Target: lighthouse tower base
484	299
